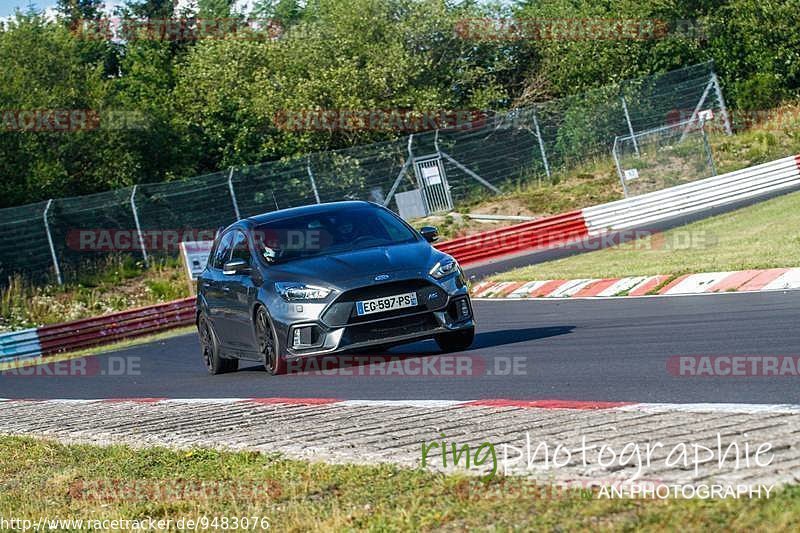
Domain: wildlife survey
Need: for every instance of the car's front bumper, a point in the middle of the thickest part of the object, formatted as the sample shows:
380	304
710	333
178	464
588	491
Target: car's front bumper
336	329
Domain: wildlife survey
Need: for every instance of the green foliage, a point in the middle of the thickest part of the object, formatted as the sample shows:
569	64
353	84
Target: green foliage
203	105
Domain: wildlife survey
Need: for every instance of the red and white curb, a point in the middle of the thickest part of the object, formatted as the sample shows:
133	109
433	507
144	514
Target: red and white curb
578	405
773	279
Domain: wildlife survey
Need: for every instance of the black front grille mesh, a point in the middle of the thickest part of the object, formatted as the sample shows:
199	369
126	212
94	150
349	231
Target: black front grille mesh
390	328
343	311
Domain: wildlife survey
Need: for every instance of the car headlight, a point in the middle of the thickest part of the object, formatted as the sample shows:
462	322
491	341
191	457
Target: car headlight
444	268
292	292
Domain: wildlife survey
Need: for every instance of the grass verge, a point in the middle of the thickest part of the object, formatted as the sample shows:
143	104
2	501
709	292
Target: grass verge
118	284
758	236
42	478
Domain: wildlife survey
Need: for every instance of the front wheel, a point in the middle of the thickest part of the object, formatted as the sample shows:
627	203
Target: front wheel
456	341
268	345
209	346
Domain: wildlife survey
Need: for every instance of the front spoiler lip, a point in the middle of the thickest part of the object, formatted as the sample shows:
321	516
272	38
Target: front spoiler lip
399	339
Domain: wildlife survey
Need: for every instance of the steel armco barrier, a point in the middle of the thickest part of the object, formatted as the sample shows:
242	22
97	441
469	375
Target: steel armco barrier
730	188
18	345
70	336
542	233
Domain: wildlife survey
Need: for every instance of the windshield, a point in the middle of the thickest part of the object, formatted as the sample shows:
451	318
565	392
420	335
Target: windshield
328	233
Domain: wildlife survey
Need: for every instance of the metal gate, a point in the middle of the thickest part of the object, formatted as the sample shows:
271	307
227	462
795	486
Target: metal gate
432	181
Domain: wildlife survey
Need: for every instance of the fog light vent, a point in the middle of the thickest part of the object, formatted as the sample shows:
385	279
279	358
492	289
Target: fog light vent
463	309
302	337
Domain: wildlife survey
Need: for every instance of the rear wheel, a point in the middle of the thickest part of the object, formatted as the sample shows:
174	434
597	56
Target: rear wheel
268	345
209	346
456	341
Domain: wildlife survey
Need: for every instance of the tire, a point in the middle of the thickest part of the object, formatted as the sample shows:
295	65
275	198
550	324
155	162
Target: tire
457	341
268	345
209	349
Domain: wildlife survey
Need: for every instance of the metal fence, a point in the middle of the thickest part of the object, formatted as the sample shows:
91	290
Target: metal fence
415	175
663	157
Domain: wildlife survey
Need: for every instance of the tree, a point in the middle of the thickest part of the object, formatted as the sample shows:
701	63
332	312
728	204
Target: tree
210	9
76	10
395	55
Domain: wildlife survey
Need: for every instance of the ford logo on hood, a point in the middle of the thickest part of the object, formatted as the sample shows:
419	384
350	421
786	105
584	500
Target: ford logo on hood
381	277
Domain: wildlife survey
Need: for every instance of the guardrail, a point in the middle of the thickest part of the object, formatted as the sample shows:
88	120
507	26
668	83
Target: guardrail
536	234
540	233
730	188
70	336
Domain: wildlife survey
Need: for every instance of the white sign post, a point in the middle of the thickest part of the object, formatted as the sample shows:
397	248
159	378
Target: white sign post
194	255
631	174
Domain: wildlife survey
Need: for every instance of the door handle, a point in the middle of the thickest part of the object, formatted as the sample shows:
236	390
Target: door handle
226	289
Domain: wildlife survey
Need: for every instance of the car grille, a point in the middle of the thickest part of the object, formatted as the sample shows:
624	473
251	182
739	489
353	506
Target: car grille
385	329
343	311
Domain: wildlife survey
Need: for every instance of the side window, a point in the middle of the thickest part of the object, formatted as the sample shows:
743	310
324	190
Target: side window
241	250
223	251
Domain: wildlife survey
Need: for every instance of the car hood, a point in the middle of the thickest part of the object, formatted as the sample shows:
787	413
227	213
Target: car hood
358	264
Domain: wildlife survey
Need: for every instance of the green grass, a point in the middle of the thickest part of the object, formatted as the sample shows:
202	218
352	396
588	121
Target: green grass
763	235
118	284
592	183
41	478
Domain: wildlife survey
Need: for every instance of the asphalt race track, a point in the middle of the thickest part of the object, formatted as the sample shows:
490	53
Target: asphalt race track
593	350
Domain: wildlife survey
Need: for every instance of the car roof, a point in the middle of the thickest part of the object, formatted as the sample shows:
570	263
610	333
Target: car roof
303	210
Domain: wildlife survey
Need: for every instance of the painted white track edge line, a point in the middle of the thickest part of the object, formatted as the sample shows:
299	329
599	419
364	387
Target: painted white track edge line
634	407
545	299
712	407
402	403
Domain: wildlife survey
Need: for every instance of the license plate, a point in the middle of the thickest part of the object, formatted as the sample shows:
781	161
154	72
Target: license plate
387	303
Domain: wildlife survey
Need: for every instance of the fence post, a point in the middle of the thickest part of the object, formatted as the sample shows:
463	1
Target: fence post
722	107
707	146
233	195
402	172
697	108
50	242
541	144
619	167
630	126
139	227
311	177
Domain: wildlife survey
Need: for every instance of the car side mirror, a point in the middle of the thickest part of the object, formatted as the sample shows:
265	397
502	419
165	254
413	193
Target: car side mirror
236	266
429	233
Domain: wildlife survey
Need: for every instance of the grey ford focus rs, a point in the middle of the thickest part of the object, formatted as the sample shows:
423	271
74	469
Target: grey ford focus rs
326	279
